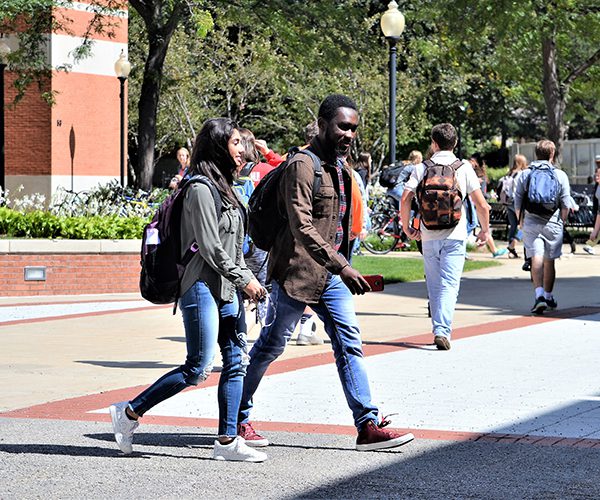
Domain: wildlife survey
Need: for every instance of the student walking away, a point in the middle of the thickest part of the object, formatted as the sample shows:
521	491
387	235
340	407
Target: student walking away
209	302
542	199
589	244
440	185
308	264
507	186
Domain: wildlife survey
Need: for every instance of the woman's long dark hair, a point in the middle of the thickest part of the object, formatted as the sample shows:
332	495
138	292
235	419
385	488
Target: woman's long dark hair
211	157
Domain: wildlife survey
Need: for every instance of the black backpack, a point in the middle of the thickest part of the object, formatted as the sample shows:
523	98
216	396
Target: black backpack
388	178
162	264
265	220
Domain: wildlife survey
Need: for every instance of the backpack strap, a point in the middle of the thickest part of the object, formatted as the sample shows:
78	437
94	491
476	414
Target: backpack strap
248	167
316	166
456	164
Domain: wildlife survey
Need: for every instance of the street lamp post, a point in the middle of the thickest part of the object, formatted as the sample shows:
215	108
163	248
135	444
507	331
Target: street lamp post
392	25
122	69
462	108
4	51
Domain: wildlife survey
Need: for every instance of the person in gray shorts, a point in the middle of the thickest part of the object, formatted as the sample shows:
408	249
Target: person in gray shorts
543	222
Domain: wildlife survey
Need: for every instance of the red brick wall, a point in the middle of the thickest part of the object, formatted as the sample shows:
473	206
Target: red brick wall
27	147
70	274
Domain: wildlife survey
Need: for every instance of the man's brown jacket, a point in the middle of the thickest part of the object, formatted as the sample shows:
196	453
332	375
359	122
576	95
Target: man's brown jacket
303	253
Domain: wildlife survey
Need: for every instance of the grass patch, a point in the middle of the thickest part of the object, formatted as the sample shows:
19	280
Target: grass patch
402	270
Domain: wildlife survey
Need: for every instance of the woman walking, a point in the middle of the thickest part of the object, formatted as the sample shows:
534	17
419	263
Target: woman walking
209	302
507	198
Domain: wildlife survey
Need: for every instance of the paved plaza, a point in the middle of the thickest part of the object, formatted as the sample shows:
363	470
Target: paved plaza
512	410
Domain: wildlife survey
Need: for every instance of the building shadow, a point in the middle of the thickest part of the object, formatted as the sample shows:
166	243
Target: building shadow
499	296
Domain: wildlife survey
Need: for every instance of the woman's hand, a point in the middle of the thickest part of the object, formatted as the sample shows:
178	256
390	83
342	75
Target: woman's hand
255	291
261	146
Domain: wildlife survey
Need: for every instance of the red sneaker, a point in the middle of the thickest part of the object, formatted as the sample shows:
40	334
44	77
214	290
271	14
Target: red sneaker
373	437
252	438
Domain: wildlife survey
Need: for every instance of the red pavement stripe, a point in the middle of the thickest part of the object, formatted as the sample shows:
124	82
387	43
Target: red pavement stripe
51	303
79	315
78	408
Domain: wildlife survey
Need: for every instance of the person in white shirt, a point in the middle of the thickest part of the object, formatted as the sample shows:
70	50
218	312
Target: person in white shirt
444	249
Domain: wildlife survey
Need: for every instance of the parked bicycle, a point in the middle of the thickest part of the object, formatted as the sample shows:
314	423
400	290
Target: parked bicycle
386	232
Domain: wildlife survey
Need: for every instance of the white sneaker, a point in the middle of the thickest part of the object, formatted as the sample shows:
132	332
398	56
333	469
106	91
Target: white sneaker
237	451
308	333
123	427
589	249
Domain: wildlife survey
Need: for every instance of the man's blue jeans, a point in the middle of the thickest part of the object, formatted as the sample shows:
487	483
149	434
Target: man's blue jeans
336	310
207	322
444	262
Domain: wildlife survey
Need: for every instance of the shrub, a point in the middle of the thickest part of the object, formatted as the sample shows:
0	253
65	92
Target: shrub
39	224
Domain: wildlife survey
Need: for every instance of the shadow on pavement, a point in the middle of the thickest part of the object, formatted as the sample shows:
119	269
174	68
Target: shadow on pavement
127	364
505	296
83	451
475	470
163	439
406	345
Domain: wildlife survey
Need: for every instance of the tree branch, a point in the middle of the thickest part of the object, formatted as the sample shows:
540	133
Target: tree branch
582	68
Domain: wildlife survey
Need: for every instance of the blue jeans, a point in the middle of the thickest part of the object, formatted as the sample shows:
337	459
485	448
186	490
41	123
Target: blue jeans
444	261
207	322
336	310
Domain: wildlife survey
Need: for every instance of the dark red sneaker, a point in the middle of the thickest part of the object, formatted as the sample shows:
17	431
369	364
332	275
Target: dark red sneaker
251	437
373	436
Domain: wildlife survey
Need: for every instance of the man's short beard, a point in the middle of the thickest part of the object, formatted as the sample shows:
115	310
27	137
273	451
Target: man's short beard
342	153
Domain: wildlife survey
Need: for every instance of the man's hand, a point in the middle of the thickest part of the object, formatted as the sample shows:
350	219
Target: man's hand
354	281
482	237
412	233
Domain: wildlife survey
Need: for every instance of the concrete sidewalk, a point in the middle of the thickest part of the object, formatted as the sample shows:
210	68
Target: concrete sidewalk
512	410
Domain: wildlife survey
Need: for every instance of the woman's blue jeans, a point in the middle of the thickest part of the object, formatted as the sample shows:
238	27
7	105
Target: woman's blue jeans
336	310
208	322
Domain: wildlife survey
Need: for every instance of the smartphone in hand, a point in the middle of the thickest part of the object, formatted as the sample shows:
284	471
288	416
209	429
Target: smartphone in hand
375	282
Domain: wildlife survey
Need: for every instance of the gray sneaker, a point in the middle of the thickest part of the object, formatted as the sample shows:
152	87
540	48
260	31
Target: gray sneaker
123	427
237	451
308	333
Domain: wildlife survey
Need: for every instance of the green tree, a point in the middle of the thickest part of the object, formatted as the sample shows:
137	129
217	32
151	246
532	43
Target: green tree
542	49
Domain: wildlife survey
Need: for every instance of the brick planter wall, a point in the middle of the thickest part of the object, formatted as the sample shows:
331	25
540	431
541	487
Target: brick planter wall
72	267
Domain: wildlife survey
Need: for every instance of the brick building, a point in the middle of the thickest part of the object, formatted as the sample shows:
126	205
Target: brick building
74	143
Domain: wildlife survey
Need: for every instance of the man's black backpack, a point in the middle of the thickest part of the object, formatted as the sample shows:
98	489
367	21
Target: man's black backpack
265	220
162	264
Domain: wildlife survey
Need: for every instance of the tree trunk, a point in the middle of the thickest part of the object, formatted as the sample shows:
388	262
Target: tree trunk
148	107
159	36
555	97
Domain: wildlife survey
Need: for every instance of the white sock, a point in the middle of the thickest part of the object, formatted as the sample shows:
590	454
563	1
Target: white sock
539	292
547	295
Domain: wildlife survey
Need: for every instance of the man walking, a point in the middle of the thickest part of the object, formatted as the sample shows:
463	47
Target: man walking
542	197
308	265
444	241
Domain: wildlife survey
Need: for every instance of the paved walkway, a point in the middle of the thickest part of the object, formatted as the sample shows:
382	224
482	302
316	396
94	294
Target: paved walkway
516	394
